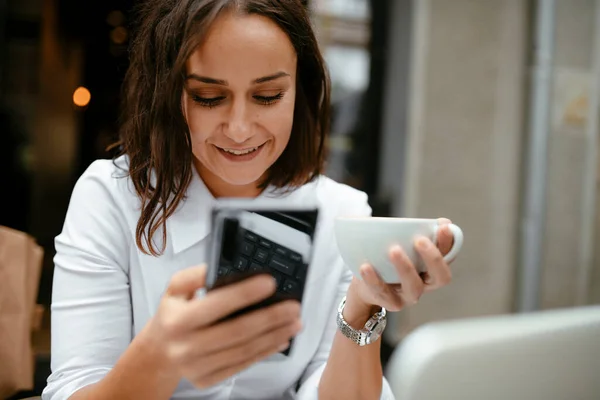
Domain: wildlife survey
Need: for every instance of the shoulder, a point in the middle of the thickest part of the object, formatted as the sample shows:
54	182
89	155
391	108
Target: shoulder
106	172
100	209
338	199
104	190
106	178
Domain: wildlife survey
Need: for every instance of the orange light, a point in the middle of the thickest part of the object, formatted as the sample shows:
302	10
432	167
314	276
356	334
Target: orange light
118	35
81	97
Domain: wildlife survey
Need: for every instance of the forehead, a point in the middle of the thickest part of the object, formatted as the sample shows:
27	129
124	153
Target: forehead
243	46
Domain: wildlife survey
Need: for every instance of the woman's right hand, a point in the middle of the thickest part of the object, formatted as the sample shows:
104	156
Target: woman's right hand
205	351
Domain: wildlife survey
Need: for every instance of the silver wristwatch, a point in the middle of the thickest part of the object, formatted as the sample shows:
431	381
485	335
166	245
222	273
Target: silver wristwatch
367	335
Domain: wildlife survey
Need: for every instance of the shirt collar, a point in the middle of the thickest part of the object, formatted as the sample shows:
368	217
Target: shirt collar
190	223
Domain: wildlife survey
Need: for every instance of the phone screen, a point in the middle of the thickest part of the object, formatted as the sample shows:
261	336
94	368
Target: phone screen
247	242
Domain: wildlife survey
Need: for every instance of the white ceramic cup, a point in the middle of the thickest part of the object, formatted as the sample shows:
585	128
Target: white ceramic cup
363	240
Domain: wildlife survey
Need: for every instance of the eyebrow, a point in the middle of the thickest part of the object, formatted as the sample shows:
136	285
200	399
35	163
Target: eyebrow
213	81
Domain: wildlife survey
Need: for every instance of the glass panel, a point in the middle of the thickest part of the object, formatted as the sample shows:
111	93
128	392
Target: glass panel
343	30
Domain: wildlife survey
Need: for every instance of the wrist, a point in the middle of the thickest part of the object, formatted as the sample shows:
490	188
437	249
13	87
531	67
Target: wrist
156	352
356	311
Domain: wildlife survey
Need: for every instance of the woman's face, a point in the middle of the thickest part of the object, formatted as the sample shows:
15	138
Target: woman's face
239	101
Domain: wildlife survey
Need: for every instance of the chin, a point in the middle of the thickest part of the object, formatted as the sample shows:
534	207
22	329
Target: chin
242	179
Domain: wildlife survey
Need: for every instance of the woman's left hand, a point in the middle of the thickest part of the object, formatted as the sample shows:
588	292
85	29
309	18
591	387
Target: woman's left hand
373	292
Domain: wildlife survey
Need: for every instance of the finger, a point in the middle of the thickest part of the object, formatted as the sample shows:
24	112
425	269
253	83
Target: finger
372	279
185	283
437	269
229	362
445	238
217	377
412	285
239	330
224	301
389	295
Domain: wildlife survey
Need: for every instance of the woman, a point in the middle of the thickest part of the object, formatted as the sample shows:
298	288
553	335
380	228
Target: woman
223	98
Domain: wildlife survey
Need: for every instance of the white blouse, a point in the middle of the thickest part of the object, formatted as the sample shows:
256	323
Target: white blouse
105	289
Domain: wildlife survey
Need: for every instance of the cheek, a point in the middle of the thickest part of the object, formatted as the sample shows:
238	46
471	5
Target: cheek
200	123
280	122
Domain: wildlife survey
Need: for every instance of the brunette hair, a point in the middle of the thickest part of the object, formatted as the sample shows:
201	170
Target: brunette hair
154	133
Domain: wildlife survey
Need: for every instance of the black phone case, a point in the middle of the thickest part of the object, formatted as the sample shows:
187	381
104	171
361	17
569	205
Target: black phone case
238	253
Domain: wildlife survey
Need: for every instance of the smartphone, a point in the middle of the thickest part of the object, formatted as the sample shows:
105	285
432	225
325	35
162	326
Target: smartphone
250	237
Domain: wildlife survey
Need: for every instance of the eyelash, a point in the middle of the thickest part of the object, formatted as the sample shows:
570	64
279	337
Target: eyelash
215	101
207	102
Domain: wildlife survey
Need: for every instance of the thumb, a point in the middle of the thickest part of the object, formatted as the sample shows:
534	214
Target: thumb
185	282
445	239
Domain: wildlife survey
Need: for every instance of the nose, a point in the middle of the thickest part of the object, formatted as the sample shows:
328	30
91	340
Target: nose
239	126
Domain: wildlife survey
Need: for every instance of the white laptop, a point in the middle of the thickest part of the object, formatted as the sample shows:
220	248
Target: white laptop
546	355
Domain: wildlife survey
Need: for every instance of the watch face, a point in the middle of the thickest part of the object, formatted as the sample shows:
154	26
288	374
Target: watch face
374	336
377	330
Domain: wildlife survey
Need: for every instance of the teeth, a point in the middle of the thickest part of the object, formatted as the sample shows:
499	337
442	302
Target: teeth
239	152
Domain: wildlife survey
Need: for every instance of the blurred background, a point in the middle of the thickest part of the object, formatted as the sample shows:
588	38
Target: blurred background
482	111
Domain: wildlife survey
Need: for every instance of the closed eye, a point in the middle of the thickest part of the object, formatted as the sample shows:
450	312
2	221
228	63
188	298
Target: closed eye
267	100
211	102
208	102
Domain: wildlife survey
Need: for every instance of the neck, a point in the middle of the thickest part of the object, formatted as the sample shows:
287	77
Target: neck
220	188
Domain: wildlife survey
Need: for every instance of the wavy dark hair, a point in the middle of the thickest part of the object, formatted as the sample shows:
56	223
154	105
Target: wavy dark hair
154	133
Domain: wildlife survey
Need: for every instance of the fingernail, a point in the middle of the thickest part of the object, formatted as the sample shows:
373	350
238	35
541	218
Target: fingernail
422	242
364	272
396	248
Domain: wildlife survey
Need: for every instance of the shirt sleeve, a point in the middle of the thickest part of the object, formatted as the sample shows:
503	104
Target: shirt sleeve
309	383
91	306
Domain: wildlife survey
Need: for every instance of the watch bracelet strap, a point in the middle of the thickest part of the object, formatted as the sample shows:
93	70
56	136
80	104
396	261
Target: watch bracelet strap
355	335
358	336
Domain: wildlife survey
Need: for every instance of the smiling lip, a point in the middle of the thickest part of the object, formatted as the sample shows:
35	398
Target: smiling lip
239	155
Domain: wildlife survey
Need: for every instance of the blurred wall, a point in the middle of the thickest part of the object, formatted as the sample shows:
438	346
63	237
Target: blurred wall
466	131
464	143
593	119
569	220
